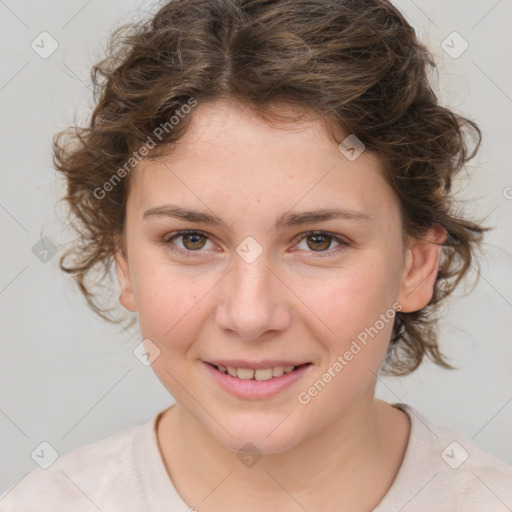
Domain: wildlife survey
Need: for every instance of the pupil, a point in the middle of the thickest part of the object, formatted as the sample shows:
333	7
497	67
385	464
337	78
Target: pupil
316	237
194	242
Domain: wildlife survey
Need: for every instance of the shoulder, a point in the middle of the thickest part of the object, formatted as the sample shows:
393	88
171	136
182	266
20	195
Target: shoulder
445	469
95	477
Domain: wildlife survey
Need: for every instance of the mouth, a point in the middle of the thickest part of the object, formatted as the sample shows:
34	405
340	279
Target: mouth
258	374
264	382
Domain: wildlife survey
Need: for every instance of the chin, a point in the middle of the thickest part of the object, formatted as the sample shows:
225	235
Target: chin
253	434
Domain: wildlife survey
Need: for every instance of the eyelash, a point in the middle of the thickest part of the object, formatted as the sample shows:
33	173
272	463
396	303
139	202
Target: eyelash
344	244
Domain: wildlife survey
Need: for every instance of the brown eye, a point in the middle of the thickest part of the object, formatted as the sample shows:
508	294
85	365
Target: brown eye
319	242
193	241
186	243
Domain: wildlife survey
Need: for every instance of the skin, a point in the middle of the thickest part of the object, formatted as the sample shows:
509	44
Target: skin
299	299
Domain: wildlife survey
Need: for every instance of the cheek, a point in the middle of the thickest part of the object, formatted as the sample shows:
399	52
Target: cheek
170	302
350	299
356	310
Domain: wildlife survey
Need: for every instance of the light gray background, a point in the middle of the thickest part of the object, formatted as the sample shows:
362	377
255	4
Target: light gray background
70	379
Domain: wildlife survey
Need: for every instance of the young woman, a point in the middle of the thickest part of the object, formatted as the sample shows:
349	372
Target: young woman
272	181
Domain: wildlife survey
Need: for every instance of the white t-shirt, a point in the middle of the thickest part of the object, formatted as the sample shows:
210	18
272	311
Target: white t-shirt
442	471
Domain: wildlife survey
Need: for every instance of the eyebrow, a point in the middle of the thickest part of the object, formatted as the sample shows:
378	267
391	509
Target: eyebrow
287	220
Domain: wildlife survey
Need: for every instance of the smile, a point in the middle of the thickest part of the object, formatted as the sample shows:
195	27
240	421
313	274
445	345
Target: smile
256	374
256	383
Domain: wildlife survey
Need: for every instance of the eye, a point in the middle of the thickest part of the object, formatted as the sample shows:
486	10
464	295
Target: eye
321	241
192	241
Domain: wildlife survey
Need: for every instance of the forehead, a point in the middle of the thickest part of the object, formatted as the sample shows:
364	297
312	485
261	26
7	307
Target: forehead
230	156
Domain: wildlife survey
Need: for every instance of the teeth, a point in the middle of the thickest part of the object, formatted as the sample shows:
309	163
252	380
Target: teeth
265	374
245	373
277	371
260	374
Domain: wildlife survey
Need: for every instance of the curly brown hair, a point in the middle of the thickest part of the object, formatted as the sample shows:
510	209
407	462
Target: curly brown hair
355	64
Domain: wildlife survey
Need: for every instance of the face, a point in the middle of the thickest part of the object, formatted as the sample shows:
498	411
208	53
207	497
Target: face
223	271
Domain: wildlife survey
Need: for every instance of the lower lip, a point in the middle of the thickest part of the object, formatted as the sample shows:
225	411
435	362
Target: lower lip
256	389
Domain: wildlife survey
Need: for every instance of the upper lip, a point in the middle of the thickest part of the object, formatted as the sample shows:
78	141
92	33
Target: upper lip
268	363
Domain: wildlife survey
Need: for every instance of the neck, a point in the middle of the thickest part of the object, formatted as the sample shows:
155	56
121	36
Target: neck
356	456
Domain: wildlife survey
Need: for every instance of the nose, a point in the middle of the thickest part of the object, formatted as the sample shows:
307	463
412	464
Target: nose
253	301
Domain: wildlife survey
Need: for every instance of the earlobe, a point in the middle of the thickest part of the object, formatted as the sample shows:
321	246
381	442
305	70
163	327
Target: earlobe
126	297
420	270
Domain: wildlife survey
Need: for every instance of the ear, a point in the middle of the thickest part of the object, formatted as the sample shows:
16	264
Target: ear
420	270
126	297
